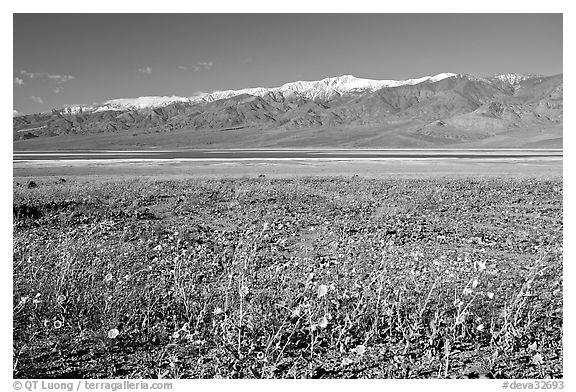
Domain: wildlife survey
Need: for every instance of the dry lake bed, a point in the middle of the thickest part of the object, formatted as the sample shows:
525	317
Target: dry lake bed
291	163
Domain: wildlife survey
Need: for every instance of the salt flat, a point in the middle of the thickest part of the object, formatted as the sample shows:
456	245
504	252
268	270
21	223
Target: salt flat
293	163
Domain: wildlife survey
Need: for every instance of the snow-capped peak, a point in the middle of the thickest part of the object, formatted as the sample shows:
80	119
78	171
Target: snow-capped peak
143	102
350	84
76	109
514	78
124	104
441	76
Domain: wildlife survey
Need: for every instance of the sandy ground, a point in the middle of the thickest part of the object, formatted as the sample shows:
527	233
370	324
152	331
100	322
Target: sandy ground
533	167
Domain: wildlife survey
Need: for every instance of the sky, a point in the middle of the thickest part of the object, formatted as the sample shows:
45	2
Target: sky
80	59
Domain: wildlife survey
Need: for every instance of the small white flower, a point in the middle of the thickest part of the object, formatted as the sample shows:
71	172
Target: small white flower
217	311
537	359
295	312
480	327
113	333
322	290
323	323
475	283
460	319
490	295
481	265
346	361
360	350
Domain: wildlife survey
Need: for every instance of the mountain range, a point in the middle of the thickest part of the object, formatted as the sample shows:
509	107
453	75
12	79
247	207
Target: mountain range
442	110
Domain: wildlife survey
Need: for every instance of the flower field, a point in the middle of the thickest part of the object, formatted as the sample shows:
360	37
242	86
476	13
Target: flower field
287	278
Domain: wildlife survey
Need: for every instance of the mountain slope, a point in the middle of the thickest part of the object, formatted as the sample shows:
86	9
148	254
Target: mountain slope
444	109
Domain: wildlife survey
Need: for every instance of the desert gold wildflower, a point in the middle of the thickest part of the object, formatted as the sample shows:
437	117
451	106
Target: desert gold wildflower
360	350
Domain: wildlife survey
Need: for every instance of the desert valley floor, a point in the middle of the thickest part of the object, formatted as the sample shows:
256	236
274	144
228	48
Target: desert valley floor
333	267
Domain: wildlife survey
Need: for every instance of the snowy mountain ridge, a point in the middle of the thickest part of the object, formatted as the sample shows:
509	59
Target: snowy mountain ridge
325	89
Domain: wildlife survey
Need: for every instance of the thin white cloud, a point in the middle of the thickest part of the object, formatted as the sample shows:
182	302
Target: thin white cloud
202	66
248	60
18	81
36	99
58	89
60	78
199	66
145	70
49	76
